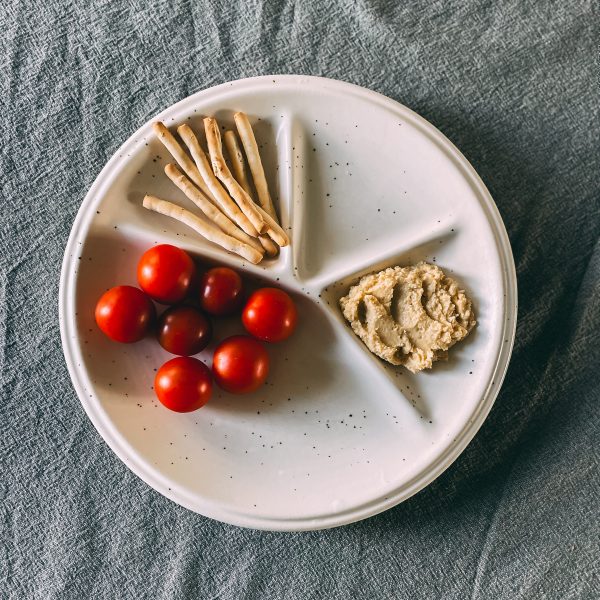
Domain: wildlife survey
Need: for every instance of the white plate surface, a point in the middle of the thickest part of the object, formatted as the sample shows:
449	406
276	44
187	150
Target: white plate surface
336	436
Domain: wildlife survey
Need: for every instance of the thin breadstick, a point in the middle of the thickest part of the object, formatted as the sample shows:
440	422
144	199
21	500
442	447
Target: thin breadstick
208	208
274	230
239	167
238	164
178	153
256	168
270	247
221	170
210	232
227	205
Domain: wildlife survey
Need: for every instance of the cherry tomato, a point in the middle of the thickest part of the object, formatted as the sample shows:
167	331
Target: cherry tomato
270	315
165	273
240	364
183	330
125	314
220	291
183	384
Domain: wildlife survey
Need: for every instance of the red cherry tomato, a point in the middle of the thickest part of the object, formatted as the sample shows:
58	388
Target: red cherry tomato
125	314
183	384
240	364
183	330
165	273
220	291
270	315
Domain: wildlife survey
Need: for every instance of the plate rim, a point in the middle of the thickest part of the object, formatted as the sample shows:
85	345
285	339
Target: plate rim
125	453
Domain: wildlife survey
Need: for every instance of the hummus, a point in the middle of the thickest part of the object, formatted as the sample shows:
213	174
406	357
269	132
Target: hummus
409	316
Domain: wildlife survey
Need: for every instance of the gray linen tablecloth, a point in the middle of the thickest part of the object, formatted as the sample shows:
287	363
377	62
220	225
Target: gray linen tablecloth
515	85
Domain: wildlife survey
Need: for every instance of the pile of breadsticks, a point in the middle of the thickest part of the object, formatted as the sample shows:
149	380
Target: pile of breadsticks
232	219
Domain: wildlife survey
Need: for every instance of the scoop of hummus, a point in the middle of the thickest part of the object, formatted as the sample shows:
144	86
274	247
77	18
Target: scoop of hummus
409	316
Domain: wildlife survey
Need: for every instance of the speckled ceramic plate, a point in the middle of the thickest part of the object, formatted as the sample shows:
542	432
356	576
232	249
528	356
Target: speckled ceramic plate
335	436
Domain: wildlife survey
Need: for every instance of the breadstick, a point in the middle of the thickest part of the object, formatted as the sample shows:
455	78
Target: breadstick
238	164
227	205
256	168
221	170
276	233
269	246
178	153
208	208
210	232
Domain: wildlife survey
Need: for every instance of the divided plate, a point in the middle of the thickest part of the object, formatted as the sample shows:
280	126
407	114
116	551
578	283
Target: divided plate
336	435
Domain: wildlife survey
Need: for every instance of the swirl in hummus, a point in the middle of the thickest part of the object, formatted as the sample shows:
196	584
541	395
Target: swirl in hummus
409	316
